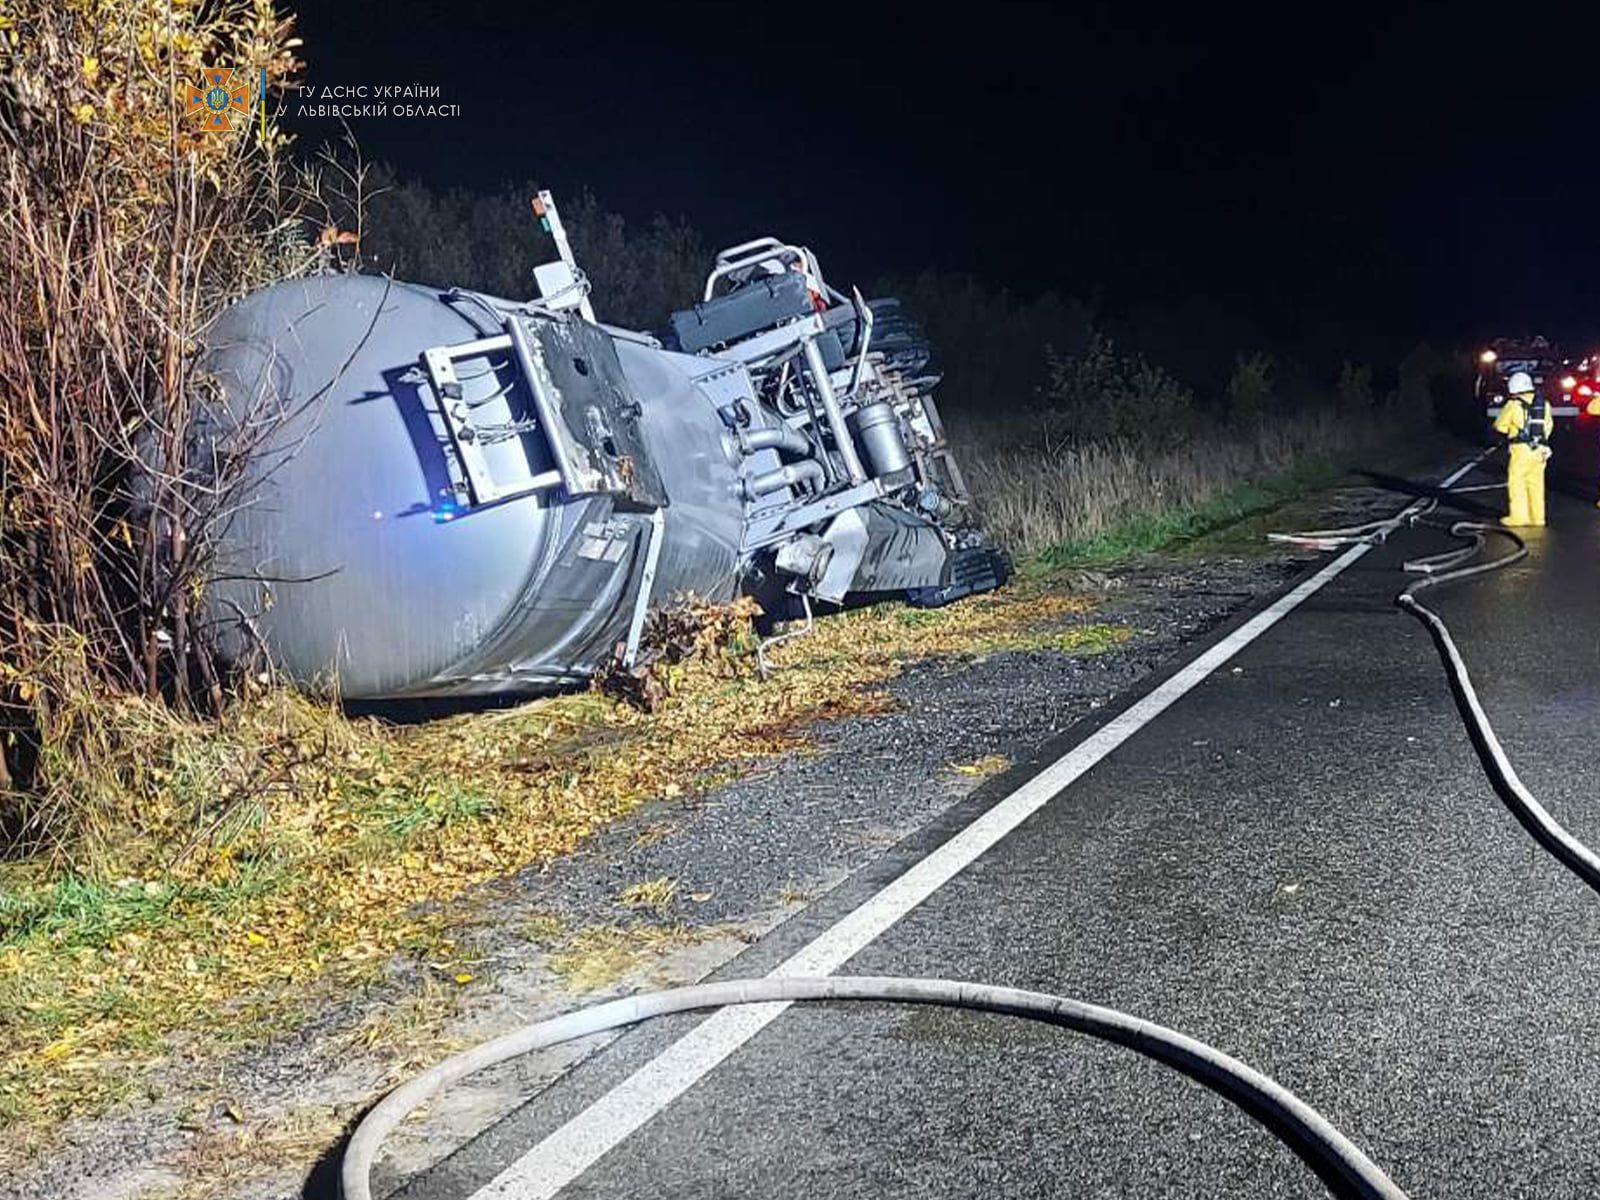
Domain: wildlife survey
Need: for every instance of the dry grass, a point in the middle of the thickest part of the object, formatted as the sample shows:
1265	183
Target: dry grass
1039	492
225	1160
649	893
598	958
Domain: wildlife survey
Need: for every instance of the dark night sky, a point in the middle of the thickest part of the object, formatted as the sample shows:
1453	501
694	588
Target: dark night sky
1376	176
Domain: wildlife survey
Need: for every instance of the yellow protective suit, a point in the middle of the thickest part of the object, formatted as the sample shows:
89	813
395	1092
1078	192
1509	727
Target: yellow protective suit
1525	473
1593	409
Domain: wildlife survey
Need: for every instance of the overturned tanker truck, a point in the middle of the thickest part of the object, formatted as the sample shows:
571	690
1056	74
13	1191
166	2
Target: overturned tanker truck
468	495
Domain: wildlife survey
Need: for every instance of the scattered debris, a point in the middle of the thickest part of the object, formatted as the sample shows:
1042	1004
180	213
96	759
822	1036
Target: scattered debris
685	631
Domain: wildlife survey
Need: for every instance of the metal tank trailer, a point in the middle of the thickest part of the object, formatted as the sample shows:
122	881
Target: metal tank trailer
468	495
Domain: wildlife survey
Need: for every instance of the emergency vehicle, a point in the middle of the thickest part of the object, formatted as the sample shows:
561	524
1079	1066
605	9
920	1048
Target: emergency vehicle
1504	357
1578	385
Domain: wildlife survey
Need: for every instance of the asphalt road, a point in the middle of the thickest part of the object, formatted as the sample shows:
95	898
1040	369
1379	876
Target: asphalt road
1298	862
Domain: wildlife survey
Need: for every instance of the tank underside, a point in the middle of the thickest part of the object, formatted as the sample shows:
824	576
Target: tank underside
454	494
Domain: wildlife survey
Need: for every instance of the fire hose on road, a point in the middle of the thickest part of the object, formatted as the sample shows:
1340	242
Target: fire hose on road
1452	566
1345	1170
1446	568
1348	1173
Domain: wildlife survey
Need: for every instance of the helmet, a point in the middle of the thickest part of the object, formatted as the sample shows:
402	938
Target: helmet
1520	384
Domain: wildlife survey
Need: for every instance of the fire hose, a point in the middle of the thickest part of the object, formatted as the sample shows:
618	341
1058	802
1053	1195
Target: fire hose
1347	1173
1451	566
1445	568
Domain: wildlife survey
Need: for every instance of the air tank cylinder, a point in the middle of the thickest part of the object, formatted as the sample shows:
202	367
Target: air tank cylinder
878	430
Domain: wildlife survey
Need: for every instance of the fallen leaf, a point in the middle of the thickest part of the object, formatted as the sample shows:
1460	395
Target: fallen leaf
57	1050
989	764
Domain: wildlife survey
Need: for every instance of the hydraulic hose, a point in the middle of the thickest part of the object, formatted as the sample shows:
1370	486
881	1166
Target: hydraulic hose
1347	1173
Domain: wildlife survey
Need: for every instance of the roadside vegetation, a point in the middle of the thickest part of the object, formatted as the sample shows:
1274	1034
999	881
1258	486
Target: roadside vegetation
189	849
1072	504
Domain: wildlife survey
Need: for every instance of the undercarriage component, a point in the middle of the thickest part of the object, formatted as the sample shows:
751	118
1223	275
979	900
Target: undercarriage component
972	570
878	427
805	557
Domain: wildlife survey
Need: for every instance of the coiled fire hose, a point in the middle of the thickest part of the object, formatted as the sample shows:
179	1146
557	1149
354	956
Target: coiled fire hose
1370	533
1339	1163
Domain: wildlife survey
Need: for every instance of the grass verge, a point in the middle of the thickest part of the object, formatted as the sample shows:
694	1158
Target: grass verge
1062	502
1147	532
1229	521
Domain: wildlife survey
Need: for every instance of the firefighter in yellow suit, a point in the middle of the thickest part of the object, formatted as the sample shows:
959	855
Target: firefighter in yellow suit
1593	409
1527	422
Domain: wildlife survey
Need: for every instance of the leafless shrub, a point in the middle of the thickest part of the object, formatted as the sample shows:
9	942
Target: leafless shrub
126	226
640	271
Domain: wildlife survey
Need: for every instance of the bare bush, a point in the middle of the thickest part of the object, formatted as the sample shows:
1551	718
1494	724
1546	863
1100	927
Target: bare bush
992	347
126	227
1251	388
1354	391
1101	394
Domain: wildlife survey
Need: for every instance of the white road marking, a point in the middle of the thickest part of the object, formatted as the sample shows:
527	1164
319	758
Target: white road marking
572	1149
